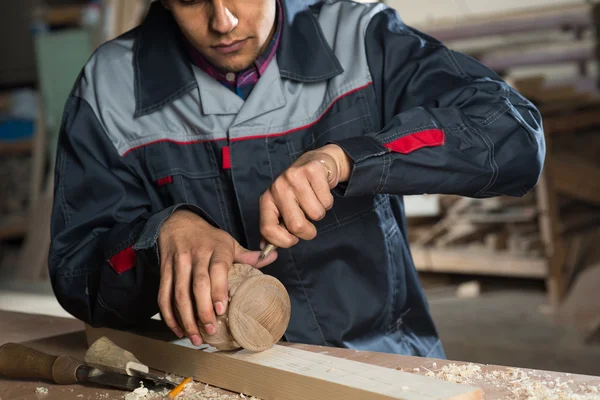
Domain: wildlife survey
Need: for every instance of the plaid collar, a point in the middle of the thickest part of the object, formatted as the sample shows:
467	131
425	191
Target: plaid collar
241	82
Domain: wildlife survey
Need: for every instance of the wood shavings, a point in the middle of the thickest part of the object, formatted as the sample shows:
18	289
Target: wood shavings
192	391
41	390
521	384
199	391
142	393
138	394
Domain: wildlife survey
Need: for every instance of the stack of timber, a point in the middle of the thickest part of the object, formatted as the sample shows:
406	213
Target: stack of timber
548	54
551	233
497	236
549	37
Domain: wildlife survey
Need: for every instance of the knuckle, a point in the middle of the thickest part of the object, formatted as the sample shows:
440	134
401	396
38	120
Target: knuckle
205	316
267	230
279	186
201	282
292	241
293	174
328	202
182	257
319	215
219	265
297	225
181	296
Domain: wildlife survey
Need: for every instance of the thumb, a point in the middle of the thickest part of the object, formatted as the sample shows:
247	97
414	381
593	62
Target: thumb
245	256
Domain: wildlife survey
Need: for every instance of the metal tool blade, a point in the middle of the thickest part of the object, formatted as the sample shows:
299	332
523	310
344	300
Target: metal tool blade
119	381
159	381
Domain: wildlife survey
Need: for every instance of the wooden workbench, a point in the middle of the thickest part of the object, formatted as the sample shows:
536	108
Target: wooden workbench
66	337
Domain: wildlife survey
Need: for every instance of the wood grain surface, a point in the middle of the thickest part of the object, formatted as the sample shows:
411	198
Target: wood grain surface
67	337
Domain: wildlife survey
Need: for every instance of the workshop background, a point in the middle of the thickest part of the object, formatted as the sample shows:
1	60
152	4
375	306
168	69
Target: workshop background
511	281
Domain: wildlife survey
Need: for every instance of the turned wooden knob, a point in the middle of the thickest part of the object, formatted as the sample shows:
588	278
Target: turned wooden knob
258	313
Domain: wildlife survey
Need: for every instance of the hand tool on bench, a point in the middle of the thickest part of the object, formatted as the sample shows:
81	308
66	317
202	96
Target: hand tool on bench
107	356
22	362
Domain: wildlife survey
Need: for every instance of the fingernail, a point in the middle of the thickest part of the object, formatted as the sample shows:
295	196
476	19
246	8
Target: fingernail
195	339
219	308
210	329
178	332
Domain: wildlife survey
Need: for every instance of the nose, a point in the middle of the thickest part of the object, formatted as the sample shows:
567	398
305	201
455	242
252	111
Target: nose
222	21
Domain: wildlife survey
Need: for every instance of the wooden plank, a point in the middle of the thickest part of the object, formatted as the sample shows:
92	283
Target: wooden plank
508	215
12	227
62	14
529	20
563	108
577	178
462	231
573	122
525	57
283	372
477	261
13	147
549	223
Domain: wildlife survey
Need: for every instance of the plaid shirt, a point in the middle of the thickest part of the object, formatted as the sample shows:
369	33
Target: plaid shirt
242	82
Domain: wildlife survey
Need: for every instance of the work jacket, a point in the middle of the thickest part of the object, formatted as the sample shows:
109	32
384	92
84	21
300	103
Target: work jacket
146	132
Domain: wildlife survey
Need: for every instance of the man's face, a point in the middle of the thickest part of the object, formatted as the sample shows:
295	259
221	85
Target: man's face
229	33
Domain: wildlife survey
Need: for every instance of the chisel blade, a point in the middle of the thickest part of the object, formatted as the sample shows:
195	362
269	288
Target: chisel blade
118	381
154	378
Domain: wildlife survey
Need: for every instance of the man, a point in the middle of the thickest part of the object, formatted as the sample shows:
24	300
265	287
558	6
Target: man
220	125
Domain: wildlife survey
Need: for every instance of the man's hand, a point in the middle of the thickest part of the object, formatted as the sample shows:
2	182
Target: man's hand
302	194
195	260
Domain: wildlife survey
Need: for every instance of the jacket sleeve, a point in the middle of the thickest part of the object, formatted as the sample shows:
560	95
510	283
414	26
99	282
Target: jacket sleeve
449	124
104	260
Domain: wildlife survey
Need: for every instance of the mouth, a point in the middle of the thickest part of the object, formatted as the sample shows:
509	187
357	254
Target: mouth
230	47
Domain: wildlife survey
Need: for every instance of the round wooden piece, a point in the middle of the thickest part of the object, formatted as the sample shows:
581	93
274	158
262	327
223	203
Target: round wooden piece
259	313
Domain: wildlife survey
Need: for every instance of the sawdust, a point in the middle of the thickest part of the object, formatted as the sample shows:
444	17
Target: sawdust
523	385
41	390
192	391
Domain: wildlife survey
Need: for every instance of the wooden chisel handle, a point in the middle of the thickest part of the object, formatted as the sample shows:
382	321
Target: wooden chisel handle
22	362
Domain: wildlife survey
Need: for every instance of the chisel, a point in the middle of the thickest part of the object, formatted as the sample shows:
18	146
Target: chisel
22	362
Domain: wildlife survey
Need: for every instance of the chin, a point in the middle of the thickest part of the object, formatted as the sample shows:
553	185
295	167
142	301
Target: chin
234	63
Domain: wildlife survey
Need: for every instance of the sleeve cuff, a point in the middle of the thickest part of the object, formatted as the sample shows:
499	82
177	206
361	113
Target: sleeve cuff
370	166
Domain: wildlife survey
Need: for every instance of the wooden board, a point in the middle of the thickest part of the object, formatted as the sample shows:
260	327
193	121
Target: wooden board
525	20
478	261
66	336
576	178
283	372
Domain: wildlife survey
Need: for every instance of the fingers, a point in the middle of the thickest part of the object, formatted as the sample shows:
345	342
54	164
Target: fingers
287	202
320	187
245	256
301	195
183	299
201	288
307	198
220	262
270	228
164	298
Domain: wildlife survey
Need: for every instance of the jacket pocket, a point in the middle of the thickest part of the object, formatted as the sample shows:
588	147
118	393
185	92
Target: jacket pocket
186	174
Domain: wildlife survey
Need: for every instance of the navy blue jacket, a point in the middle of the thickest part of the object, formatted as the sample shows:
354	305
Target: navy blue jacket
145	132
